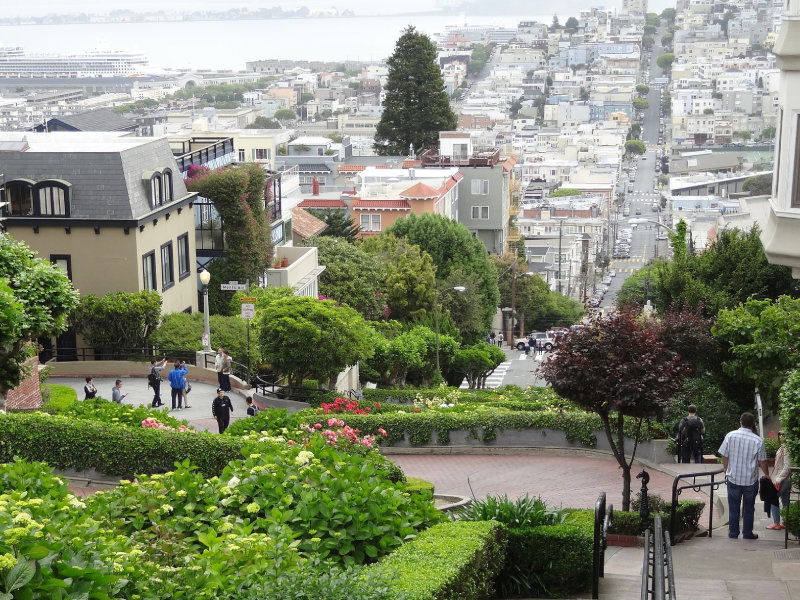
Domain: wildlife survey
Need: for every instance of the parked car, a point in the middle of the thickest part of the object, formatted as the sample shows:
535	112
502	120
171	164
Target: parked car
607	280
638	211
612	273
548	342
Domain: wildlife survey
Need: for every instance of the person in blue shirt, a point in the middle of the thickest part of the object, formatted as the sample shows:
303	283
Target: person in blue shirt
177	383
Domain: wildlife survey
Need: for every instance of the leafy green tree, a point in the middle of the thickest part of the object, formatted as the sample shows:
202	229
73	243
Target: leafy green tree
665	61
411	354
649	30
416	107
351	276
184	331
708	111
338	224
636	131
478	59
640	104
465	309
731	271
285	114
35	301
410	282
648	41
642	89
555	25
720	413
238	195
768	133
262	122
114	323
555	310
669	14
764	341
635	147
478	362
743	135
451	246
632	292
616	366
264	297
306	97
572	23
303	337
760	185
666	40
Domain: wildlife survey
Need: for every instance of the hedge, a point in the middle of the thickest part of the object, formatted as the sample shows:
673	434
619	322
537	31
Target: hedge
449	561
415	485
113	450
687	516
553	560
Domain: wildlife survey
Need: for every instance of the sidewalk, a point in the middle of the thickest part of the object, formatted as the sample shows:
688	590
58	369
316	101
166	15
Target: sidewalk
200	398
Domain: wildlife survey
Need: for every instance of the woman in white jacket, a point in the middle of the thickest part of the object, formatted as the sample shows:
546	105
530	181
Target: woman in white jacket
783	483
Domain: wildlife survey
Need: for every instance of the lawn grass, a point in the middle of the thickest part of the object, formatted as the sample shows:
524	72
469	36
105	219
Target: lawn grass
61	398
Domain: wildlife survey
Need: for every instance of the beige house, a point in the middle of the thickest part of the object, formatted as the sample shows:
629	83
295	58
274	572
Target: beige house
112	211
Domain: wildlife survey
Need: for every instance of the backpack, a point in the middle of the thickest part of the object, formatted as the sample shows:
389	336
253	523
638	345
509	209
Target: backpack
153	379
692	440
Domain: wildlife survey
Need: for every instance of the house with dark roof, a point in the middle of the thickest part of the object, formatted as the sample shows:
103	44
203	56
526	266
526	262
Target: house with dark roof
101	119
110	209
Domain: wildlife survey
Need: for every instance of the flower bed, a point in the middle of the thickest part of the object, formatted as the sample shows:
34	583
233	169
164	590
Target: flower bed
102	411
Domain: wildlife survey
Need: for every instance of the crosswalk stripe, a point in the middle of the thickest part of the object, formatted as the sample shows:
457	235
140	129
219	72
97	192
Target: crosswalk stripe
495	380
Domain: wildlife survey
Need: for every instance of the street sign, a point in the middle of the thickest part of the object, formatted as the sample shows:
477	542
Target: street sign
233	286
247	299
248	310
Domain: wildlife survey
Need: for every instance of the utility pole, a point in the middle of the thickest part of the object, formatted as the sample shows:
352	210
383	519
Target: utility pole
513	299
560	232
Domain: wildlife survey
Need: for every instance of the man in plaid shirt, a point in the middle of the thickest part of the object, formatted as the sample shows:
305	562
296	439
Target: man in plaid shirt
743	453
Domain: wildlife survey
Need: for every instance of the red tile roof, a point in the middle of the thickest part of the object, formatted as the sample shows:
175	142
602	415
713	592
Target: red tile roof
352	168
381	205
305	225
322	203
410	162
420	191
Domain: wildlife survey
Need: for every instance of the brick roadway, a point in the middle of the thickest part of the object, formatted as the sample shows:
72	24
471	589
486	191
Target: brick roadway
573	482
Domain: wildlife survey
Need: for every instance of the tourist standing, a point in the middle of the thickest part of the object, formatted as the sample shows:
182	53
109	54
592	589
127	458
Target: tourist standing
225	373
492	336
252	409
218	365
690	434
500	339
743	453
177	381
154	380
221	409
116	392
89	390
783	483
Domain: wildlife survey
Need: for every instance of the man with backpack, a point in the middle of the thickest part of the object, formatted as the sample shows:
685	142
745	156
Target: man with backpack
154	380
690	435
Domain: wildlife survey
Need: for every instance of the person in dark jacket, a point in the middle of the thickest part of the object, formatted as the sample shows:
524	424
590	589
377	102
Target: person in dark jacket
252	409
221	409
89	390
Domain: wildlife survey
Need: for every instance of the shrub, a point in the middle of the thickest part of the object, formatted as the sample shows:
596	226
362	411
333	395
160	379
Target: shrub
628	523
101	410
719	413
549	561
415	485
524	512
113	450
451	561
62	397
183	331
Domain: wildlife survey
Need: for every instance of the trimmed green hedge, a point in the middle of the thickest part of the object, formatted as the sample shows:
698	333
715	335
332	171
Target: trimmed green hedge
61	397
627	523
554	560
450	561
113	450
415	485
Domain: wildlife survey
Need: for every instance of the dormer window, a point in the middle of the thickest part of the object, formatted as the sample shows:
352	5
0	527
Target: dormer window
52	200
20	197
159	186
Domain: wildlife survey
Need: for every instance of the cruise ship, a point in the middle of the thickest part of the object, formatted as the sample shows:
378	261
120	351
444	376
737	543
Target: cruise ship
14	62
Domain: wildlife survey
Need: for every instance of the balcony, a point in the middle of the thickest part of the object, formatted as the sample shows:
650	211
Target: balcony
487	157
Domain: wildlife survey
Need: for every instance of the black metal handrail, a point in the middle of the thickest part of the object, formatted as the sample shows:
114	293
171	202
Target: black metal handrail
238	370
658	573
602	523
676	491
792	471
264	387
100	354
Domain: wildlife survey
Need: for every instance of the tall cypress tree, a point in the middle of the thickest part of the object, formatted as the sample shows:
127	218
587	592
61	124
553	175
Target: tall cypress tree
416	108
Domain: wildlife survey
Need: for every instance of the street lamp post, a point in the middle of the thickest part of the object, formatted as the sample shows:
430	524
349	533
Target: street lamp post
458	288
205	279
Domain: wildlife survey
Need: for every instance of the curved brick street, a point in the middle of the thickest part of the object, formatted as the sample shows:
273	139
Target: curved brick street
567	481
